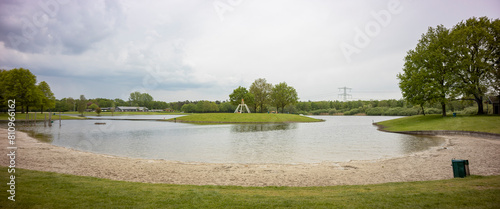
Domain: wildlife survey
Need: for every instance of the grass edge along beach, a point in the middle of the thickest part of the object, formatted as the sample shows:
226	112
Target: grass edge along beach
474	123
52	190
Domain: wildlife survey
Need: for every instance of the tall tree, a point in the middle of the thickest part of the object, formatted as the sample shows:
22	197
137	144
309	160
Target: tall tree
47	100
429	70
494	81
3	92
146	100
72	103
20	84
447	64
239	94
140	99
261	90
135	98
477	42
283	95
82	104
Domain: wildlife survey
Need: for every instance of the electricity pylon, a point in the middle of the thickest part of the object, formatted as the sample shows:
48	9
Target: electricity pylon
345	94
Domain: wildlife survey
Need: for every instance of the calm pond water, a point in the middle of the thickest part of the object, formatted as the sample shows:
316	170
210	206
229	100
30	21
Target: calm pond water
338	139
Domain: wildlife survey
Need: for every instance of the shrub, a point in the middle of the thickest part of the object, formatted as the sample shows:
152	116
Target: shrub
433	111
469	111
332	111
393	111
320	111
353	111
376	111
410	111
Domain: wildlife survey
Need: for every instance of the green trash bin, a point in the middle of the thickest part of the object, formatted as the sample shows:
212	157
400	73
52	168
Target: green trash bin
460	168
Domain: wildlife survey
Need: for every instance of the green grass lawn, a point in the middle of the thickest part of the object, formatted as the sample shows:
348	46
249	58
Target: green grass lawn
39	116
484	123
36	189
244	118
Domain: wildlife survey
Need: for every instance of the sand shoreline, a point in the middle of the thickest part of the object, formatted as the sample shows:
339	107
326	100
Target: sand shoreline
433	164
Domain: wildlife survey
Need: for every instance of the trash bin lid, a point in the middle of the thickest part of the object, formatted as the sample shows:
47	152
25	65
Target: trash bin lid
460	161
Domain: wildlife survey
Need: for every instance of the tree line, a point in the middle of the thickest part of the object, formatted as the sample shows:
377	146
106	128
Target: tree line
21	85
82	104
460	63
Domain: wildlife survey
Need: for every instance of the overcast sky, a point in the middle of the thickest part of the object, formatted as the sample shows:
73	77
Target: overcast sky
203	49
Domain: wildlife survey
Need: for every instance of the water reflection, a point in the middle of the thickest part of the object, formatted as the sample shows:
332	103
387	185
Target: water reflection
262	127
337	139
414	143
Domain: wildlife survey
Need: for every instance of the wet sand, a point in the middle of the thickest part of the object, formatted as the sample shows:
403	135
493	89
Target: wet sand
433	164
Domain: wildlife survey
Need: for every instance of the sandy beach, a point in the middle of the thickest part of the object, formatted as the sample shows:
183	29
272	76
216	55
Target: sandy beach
433	164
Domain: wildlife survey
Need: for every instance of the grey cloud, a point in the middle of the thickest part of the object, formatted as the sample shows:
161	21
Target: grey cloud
51	27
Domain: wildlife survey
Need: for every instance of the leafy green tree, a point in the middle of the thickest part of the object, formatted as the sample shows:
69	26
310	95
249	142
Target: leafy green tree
3	91
146	100
188	108
261	90
120	102
206	106
135	98
141	99
429	70
93	106
478	42
62	105
283	95
82	104
20	84
48	100
98	110
112	109
239	94
72	103
226	107
494	80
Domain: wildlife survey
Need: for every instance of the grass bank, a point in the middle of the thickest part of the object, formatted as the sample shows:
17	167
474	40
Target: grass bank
36	189
39	116
244	118
483	123
126	113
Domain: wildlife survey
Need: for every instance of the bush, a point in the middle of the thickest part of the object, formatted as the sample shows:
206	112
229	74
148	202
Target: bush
469	111
321	112
302	112
410	111
376	111
433	111
393	111
353	111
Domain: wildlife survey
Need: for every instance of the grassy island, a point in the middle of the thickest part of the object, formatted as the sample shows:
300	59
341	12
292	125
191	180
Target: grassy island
243	118
475	123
